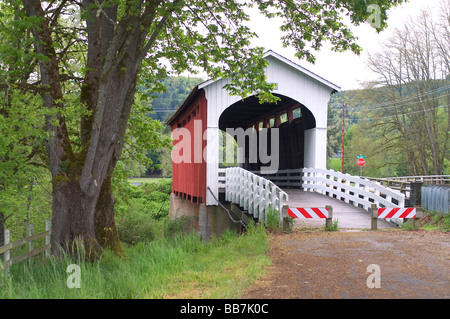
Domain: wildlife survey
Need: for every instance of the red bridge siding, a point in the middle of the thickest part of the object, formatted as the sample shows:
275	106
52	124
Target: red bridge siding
189	179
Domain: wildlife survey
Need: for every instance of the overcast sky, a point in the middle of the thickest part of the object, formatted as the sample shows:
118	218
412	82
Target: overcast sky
346	70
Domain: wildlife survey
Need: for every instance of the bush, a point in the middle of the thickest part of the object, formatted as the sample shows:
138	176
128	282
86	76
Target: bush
137	225
178	226
147	211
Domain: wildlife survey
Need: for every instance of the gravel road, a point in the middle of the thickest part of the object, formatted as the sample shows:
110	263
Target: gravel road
316	264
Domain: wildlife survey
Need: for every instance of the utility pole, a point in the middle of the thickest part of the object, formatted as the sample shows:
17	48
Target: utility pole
343	132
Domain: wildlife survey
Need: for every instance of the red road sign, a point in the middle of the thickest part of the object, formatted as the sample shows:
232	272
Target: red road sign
361	162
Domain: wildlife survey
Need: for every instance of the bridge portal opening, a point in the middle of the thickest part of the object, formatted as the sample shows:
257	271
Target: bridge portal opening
291	119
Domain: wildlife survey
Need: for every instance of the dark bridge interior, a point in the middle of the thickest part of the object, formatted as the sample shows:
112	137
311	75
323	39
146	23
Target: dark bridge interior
291	117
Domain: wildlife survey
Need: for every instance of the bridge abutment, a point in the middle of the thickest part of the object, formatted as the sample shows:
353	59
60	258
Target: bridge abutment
203	219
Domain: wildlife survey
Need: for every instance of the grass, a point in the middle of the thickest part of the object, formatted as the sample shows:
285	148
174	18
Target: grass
335	225
433	221
272	218
147	180
181	267
162	260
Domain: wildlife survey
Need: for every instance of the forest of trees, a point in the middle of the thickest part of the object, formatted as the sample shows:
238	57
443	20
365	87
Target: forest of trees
401	122
178	88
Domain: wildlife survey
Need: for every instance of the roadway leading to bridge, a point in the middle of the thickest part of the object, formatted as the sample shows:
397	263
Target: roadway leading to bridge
349	216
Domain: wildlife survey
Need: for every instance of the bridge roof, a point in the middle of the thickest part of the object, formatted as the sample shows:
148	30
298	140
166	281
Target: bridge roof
267	55
296	66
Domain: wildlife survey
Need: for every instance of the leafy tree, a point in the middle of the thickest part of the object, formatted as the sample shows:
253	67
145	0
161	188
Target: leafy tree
411	111
93	55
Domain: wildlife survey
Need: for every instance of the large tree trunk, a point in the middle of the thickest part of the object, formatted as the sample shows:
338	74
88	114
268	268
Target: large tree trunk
73	230
105	226
83	203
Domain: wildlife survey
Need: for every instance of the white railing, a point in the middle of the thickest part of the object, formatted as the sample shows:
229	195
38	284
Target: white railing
285	177
354	190
253	193
221	178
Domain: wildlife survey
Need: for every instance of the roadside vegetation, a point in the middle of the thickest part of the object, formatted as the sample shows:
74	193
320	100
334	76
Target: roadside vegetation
432	221
161	260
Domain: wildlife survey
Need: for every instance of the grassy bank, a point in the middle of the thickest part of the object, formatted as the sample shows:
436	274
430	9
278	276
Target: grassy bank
182	267
161	261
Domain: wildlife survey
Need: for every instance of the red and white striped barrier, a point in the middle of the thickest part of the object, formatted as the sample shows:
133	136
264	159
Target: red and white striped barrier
397	212
314	213
414	213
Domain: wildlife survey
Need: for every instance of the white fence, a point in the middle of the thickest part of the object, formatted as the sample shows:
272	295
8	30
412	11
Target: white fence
253	193
354	190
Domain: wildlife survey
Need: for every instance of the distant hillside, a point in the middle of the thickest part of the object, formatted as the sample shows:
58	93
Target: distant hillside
178	88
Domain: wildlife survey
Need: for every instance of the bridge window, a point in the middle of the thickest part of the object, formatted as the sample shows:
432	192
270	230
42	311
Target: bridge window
297	113
272	122
260	126
283	118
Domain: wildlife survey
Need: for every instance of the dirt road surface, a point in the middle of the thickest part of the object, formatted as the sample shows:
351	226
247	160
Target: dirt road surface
316	264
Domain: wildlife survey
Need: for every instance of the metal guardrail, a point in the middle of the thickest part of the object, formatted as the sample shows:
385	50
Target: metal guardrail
436	198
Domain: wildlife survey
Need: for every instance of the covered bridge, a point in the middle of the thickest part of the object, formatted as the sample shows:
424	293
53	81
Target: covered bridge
299	120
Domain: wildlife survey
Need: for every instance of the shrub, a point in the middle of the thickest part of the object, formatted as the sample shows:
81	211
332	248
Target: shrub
178	226
137	225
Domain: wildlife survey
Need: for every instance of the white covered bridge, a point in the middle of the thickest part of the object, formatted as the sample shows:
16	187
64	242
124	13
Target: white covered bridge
279	146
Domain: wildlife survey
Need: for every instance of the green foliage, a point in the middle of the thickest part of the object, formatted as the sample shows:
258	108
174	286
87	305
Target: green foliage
385	150
272	218
307	24
144	136
182	267
23	177
164	104
435	221
146	212
335	225
137	225
178	226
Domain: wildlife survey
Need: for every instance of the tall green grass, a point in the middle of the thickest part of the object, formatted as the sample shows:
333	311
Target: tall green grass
181	267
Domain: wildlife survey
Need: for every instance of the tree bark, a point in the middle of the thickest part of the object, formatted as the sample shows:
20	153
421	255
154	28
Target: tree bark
73	230
105	226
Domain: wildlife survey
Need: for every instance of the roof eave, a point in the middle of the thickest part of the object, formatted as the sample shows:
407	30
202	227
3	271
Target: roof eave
186	102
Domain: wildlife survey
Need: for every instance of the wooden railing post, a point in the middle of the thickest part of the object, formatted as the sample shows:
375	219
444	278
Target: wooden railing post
374	213
47	238
419	215
7	254
285	218
30	233
329	220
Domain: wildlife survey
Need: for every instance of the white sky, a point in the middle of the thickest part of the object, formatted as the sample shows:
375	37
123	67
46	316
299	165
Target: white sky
343	69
